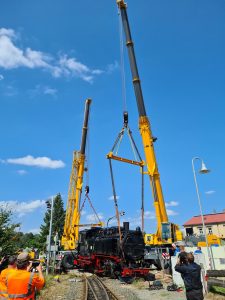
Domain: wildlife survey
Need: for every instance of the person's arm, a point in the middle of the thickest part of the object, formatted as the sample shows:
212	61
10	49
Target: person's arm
180	268
39	280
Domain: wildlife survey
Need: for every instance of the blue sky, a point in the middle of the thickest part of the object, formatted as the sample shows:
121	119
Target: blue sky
54	55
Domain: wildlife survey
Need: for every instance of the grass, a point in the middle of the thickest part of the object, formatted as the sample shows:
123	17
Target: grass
218	290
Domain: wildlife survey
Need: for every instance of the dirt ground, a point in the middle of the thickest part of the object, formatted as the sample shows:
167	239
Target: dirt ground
71	287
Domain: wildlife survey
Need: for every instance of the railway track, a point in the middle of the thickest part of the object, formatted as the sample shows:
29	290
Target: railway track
95	289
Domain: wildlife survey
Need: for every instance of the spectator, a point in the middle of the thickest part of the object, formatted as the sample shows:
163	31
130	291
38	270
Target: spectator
3	263
3	291
21	284
175	249
191	275
11	268
198	251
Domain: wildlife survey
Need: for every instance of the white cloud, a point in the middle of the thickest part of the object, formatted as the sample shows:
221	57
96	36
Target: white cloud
40	90
50	91
93	219
22	172
7	32
10	91
112	197
34	231
171	212
1	77
72	67
22	208
210	192
149	215
11	57
172	203
41	162
112	67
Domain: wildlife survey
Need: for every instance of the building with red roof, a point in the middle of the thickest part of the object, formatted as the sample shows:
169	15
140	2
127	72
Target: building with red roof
215	224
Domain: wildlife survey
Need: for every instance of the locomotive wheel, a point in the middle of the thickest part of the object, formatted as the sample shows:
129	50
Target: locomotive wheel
68	261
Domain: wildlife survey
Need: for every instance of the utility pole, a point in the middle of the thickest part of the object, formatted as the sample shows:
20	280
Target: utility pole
56	237
49	205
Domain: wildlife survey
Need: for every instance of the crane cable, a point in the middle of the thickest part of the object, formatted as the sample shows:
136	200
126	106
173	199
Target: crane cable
121	135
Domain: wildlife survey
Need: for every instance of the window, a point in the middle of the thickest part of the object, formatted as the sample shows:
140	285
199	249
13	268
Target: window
200	230
210	230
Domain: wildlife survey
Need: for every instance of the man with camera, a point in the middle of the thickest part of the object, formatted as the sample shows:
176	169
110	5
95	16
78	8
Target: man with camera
22	283
191	275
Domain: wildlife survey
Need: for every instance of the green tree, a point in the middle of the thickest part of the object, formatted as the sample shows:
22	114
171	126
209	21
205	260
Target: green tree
8	235
28	240
57	221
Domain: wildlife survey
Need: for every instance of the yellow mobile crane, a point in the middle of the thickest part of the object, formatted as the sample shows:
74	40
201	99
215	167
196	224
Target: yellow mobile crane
167	232
72	221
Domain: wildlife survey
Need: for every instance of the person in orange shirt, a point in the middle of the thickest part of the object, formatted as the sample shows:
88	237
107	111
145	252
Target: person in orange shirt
21	284
4	274
3	291
11	268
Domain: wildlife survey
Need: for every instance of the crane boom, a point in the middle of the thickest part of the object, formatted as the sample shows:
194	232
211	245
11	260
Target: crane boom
161	235
71	227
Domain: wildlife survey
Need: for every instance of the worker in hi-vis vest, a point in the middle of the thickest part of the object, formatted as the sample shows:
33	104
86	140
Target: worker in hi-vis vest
21	284
4	274
3	291
11	268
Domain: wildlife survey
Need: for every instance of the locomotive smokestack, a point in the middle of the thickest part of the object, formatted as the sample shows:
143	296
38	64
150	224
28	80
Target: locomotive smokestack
126	226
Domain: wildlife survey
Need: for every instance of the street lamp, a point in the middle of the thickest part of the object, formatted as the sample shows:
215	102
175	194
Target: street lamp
49	206
121	213
203	170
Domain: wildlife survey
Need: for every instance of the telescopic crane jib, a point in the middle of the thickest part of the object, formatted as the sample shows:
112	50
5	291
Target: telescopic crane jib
72	221
166	232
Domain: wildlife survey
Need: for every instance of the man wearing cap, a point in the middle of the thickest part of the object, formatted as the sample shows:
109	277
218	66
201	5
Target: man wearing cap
11	268
4	275
21	284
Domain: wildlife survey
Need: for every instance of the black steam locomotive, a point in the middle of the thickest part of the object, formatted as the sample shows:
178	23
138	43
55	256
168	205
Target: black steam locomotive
101	250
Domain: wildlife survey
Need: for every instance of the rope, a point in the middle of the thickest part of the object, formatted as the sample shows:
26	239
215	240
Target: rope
89	200
142	200
119	142
122	68
116	206
132	145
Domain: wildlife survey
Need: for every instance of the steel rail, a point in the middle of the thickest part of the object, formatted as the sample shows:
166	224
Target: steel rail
95	289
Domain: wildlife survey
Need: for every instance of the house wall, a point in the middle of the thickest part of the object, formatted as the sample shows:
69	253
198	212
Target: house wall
217	229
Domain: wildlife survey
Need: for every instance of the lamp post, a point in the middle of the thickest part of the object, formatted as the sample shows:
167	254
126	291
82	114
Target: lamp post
203	170
121	213
49	206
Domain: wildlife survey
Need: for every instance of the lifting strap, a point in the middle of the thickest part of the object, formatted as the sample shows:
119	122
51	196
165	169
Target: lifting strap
91	205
